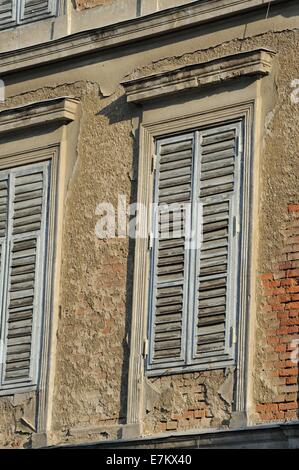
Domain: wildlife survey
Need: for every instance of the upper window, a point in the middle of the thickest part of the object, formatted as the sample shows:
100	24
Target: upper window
15	12
195	256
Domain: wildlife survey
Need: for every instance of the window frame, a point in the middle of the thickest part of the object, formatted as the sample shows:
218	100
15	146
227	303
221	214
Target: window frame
150	129
56	123
190	360
18	12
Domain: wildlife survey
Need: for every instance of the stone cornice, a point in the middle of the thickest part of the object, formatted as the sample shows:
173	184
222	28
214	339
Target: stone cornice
59	110
162	22
253	63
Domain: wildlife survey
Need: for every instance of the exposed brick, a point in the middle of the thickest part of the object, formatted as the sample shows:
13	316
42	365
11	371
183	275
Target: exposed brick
266	277
288	406
293	273
171	425
293	207
293	289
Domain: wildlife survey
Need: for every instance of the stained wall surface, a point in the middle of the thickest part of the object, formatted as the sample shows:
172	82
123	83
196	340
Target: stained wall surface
93	337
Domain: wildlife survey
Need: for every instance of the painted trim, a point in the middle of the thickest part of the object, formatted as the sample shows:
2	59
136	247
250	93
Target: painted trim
256	63
148	134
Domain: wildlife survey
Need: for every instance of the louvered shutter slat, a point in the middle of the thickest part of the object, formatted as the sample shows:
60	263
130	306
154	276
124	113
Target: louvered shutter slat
32	10
7	13
219	195
24	276
173	190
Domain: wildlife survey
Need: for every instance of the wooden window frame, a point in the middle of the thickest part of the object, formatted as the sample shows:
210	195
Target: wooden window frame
191	360
56	123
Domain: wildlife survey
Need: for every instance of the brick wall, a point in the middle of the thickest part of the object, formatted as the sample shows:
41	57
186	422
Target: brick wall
281	312
82	4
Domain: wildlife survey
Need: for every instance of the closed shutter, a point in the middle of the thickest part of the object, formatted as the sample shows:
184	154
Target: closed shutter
7	13
23	306
173	185
217	262
31	10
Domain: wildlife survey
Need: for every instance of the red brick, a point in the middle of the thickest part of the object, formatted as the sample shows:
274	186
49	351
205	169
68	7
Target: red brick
278	307
293	207
161	427
288	282
289	415
266	416
289	321
294	313
288	372
293	256
285	265
283	314
293	273
188	414
288	406
280	348
266	277
293	289
171	425
280	274
291	380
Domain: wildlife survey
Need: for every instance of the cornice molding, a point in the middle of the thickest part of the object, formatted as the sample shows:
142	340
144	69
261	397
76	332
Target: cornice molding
162	22
59	110
256	63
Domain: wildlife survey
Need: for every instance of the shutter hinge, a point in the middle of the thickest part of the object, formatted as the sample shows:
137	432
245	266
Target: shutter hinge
236	226
145	347
150	240
154	162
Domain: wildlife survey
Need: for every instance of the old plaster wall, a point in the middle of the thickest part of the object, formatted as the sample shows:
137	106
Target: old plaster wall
93	333
82	4
92	349
178	402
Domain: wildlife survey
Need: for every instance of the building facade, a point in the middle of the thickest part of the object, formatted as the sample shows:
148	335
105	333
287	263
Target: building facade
149	223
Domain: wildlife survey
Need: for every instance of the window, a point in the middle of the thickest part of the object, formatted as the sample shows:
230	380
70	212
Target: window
38	144
23	215
15	12
194	265
194	307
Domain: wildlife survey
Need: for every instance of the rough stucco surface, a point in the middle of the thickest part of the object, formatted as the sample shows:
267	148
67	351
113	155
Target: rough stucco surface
92	343
278	186
82	4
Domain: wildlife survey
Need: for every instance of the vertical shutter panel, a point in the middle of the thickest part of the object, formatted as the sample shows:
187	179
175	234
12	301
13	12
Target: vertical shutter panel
170	258
28	208
3	235
7	13
219	193
31	10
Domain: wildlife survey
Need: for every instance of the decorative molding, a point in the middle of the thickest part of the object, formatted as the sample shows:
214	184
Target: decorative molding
59	110
149	132
265	436
137	29
256	63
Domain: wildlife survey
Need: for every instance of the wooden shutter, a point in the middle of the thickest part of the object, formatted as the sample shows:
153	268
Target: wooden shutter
169	274
23	306
31	10
7	13
219	193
